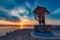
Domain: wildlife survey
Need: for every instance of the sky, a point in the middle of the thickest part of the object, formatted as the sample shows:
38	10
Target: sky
22	10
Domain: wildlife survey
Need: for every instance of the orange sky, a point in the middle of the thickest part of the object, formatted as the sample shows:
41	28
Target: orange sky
33	22
21	23
28	22
3	22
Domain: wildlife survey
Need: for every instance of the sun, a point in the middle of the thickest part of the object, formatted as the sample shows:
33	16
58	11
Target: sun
21	25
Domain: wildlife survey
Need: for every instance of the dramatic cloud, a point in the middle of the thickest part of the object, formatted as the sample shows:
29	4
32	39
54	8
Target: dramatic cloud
5	15
11	9
3	9
28	4
20	13
56	11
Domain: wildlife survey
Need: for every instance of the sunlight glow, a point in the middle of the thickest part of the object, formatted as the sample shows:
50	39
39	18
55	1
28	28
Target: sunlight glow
25	23
21	27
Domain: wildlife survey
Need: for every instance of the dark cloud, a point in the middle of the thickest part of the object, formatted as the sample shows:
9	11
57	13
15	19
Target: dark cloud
6	16
11	4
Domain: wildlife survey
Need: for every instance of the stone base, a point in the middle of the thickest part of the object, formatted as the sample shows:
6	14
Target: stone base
45	36
42	28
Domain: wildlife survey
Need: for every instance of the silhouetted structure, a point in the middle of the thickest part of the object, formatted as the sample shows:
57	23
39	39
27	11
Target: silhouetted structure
40	12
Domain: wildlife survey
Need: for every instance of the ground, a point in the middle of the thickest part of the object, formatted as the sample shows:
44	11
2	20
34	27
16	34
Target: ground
24	34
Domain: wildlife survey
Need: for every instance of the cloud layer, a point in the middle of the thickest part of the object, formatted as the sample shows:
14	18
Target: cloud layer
11	9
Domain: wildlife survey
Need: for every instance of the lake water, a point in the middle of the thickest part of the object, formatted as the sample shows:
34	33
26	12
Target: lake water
7	29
